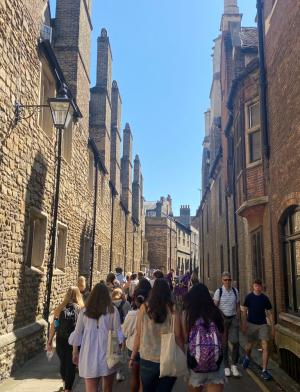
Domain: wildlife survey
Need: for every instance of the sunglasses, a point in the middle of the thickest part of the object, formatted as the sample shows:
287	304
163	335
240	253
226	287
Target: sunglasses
227	280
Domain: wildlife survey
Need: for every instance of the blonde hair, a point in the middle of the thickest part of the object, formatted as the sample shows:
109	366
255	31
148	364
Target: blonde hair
73	295
81	282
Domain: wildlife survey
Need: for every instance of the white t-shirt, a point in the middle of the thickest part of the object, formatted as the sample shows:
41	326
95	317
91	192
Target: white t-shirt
227	303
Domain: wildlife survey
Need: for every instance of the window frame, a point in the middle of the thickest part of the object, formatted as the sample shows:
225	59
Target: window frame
250	130
258	260
289	239
61	248
42	216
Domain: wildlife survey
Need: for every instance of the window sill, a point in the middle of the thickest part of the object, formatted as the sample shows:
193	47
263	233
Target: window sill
290	318
58	272
254	164
34	270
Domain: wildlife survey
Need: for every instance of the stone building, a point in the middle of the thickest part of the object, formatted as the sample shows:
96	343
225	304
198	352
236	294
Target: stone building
249	164
173	242
160	234
100	217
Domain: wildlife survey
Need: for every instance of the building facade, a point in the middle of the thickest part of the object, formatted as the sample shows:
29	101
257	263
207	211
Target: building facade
100	218
249	164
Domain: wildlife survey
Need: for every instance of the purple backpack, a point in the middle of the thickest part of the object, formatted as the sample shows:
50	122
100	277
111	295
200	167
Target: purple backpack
205	348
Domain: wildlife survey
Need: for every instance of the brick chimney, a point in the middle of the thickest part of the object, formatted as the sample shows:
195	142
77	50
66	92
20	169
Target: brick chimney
136	190
115	158
100	104
231	7
126	168
71	43
185	215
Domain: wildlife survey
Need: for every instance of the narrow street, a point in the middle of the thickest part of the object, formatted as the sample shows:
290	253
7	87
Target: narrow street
40	375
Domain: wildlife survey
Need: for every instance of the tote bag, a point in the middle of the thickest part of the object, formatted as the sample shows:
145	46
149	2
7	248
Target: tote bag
113	355
173	361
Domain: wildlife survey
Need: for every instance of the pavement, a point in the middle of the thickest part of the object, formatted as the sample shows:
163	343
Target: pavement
39	374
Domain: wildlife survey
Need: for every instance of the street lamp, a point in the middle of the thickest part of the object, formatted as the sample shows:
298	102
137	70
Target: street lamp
61	115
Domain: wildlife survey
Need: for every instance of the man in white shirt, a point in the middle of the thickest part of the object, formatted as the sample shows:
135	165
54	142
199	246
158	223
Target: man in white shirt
228	301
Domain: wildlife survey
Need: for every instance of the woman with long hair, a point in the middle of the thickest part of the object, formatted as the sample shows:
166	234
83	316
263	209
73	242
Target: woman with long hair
91	334
203	324
140	297
64	321
153	320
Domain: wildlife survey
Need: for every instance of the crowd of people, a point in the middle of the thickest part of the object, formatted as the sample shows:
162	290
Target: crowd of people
125	318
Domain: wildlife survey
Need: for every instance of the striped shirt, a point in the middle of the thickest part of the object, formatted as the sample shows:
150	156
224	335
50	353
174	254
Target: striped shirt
228	301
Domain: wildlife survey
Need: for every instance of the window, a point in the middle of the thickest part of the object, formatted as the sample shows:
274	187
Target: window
257	254
253	133
222	259
220	197
61	247
85	257
67	142
91	171
36	238
99	258
47	90
291	247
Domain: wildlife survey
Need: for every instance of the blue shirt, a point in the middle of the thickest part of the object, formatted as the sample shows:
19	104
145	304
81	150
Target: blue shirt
257	306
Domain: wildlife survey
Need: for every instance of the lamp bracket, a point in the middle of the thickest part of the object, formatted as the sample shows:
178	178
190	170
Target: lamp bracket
20	111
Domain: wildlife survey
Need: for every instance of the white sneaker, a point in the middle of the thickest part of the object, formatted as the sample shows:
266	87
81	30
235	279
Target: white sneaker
120	376
235	371
227	372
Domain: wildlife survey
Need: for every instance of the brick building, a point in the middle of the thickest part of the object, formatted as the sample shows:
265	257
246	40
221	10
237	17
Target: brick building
101	218
249	164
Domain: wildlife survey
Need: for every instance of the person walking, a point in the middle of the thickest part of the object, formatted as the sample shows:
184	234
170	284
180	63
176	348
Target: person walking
257	307
111	282
203	327
228	301
132	285
123	306
120	277
129	328
81	284
65	318
91	335
153	320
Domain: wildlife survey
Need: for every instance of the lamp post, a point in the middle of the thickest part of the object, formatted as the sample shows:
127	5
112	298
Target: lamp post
61	115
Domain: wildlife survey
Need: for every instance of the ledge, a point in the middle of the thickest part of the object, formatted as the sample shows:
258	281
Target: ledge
259	201
290	318
23	332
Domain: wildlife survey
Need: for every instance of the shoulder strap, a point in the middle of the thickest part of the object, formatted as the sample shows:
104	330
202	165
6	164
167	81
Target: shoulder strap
235	292
220	293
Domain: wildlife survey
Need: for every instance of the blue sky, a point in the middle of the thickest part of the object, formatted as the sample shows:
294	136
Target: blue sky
162	63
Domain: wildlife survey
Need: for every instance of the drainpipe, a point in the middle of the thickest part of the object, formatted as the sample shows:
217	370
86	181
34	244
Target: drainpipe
125	258
94	223
202	229
265	128
227	232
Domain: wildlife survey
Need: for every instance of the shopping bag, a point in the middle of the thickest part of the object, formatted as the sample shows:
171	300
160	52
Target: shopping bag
113	355
173	361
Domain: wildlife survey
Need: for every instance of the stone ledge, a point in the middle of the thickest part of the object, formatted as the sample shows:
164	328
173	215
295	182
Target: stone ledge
21	333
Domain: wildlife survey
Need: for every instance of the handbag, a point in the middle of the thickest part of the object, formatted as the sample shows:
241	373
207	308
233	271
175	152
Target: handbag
113	355
173	361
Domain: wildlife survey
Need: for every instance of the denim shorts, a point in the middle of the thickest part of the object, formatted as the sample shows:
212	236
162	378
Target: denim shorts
201	379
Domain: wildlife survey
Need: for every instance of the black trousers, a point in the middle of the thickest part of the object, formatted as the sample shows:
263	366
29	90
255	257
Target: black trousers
67	368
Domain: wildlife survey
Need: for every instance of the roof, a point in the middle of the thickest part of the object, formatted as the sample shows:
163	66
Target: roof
149	205
249	37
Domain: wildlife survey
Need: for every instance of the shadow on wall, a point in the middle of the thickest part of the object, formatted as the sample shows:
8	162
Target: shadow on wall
85	251
28	306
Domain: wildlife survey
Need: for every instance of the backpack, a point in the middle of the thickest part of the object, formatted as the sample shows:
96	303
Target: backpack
204	348
121	312
221	292
67	321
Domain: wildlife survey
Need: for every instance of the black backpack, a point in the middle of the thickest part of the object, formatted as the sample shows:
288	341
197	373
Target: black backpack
221	292
121	312
67	321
